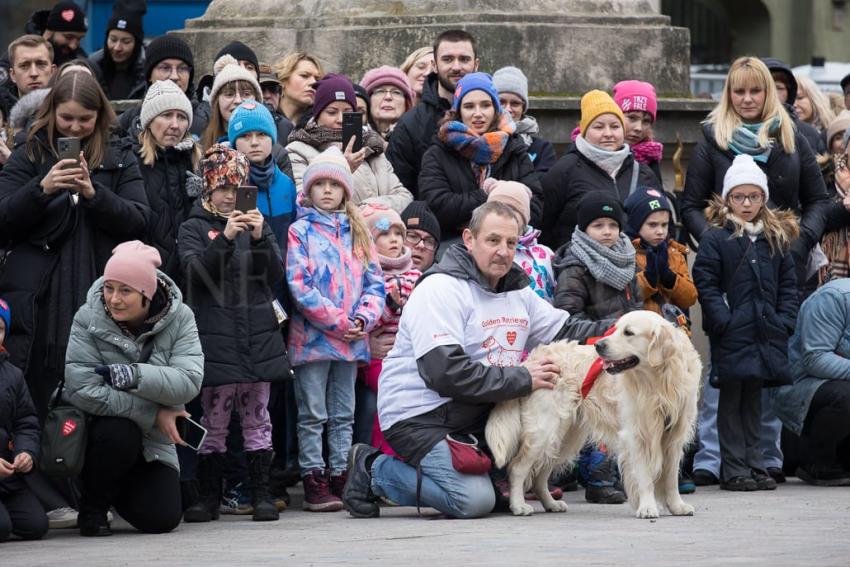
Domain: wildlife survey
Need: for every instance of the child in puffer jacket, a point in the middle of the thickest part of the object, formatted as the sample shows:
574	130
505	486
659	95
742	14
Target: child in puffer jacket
389	233
338	292
534	258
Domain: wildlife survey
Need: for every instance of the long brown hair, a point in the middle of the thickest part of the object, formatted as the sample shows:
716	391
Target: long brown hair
217	127
82	88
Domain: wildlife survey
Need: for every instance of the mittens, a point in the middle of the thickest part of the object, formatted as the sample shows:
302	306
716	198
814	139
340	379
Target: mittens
119	376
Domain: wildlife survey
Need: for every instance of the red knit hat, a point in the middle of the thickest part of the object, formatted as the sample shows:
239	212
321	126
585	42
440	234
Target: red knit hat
134	264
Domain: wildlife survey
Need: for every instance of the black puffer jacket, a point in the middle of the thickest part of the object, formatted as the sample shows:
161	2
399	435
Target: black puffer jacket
131	124
414	133
572	177
583	297
794	180
448	185
229	287
59	247
165	185
19	429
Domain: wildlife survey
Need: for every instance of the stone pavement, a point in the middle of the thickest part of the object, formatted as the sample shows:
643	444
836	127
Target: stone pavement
795	525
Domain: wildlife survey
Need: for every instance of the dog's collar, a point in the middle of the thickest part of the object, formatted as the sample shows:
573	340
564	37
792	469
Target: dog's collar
592	374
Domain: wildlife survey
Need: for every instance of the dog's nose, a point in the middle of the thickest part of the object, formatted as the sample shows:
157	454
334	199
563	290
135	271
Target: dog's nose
600	347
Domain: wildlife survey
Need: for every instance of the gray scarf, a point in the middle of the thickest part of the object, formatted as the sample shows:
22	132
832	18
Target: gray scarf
614	267
526	128
609	162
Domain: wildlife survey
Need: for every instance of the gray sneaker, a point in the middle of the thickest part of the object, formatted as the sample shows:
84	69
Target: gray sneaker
62	518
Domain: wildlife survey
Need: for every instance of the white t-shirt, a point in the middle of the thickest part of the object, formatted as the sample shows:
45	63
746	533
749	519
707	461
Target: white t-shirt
495	329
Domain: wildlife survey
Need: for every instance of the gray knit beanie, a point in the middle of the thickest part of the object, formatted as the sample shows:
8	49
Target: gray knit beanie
163	96
511	80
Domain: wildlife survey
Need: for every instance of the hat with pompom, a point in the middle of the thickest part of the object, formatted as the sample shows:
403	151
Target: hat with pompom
227	70
380	218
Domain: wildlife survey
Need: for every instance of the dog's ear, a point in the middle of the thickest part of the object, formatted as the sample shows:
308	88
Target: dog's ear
660	345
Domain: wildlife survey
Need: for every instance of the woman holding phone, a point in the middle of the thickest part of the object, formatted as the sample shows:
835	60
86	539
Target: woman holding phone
374	179
60	220
134	358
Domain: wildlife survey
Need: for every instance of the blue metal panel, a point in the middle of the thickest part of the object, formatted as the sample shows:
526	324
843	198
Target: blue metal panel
162	16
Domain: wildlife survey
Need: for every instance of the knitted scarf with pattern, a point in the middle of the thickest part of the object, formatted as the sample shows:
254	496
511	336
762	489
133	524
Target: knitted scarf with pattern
484	150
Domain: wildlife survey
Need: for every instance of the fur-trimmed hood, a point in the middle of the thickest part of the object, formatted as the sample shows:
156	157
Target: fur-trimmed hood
719	215
26	107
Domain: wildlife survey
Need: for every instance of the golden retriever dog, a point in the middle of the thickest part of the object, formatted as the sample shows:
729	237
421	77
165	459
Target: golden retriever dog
643	406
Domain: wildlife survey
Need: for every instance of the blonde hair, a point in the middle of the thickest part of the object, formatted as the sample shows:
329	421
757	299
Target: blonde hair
781	226
361	239
149	148
414	57
822	113
83	89
286	65
751	71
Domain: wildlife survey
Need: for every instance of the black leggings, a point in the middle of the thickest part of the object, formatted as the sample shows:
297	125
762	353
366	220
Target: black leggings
826	431
146	494
20	511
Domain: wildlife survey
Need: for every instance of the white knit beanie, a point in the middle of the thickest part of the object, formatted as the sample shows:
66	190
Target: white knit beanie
511	80
744	171
227	69
163	96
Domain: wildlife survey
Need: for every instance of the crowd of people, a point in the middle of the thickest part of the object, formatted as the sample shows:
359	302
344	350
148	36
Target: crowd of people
352	327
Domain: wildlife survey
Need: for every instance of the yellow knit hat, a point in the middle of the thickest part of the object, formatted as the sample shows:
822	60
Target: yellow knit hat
596	103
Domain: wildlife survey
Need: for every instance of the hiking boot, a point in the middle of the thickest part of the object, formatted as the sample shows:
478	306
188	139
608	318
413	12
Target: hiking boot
357	495
210	469
317	493
603	483
776	474
740	484
823	475
763	480
338	483
259	464
703	477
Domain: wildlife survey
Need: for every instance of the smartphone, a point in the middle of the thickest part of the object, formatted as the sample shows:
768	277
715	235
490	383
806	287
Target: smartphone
69	148
246	198
352	125
191	432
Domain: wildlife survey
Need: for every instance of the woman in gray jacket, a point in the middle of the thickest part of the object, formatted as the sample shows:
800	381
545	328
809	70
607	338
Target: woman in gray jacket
133	312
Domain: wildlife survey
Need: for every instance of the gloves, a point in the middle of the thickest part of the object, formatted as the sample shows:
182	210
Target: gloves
662	266
651	270
119	376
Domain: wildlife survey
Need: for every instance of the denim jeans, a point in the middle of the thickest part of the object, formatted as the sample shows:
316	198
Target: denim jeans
708	455
443	488
324	391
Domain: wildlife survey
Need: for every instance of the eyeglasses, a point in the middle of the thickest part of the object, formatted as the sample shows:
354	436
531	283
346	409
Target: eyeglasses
167	70
755	198
382	93
428	242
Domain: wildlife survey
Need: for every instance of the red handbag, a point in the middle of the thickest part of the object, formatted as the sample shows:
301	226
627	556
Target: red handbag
467	456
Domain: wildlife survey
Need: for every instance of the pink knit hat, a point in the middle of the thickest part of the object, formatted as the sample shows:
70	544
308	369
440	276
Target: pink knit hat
330	164
633	96
514	194
134	264
380	219
386	75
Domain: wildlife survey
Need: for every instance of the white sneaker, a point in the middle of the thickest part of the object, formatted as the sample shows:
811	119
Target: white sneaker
109	516
62	518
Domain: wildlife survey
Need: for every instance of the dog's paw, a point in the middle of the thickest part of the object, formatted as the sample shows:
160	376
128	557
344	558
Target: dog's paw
681	508
522	510
556	506
647	511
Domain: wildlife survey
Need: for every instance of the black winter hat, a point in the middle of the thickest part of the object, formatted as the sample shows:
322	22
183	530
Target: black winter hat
844	81
168	47
640	204
67	17
240	52
128	16
598	204
418	216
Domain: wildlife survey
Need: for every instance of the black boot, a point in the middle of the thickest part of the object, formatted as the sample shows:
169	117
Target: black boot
259	464
210	469
357	496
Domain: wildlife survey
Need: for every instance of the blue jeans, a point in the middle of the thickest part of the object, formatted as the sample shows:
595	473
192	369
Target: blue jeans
443	488
708	455
324	391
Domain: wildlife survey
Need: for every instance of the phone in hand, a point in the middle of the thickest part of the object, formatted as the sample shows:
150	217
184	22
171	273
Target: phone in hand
246	198
191	432
352	126
69	148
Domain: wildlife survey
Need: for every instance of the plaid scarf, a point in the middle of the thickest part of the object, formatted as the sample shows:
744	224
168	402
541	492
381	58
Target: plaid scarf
614	266
484	150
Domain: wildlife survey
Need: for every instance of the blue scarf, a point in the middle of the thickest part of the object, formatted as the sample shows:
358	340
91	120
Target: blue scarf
745	140
262	176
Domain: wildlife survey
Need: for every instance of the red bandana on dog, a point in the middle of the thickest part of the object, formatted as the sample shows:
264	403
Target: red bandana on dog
596	368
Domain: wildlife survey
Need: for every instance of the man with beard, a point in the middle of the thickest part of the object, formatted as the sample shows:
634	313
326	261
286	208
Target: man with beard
455	56
64	26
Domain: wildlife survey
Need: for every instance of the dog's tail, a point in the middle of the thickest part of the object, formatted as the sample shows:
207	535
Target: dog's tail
503	432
